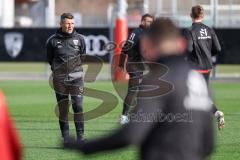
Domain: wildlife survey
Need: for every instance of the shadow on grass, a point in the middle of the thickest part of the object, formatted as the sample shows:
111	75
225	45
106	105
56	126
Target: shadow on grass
45	147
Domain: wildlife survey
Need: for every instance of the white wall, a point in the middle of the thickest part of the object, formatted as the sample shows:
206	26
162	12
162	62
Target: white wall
50	13
7	13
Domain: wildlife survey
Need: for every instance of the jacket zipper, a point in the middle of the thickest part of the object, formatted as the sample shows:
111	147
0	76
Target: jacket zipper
67	62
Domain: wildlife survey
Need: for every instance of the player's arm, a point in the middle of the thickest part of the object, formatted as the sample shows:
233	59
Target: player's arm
132	133
128	48
188	37
216	47
83	46
82	49
131	42
50	51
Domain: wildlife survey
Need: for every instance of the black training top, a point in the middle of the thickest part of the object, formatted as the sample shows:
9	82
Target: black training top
202	45
132	47
64	52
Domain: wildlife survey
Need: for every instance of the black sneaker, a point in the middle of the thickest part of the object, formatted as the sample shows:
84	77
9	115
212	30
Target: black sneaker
66	139
72	143
80	139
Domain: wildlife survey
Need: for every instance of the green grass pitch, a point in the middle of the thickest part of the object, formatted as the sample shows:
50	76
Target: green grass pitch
32	104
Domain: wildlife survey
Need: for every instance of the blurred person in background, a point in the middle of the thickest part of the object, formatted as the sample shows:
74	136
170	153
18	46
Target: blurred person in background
203	45
131	54
162	130
65	50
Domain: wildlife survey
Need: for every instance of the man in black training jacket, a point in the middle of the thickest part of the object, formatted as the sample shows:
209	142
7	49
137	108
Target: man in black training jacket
203	44
173	119
131	50
64	52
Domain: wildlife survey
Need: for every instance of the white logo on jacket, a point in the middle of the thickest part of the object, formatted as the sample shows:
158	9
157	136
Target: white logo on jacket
75	42
204	34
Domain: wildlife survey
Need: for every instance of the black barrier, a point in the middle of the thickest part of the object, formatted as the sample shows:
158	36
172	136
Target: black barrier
229	40
29	44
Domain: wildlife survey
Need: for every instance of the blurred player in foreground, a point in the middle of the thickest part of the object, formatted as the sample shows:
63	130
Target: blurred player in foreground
131	53
203	44
64	51
175	119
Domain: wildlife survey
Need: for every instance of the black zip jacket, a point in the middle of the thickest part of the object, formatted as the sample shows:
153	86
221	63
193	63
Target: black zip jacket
132	49
173	124
64	52
202	45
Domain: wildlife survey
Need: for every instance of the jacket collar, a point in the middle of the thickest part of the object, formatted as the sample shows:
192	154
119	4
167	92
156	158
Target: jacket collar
196	23
59	33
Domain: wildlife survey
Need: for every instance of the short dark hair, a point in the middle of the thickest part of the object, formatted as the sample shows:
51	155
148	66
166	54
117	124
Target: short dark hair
197	12
147	15
66	15
162	29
